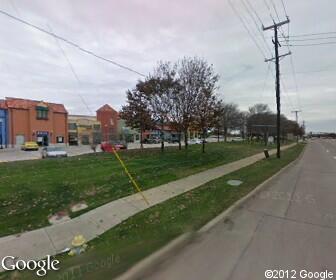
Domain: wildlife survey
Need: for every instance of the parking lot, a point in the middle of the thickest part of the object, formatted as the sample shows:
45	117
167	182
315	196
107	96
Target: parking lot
16	154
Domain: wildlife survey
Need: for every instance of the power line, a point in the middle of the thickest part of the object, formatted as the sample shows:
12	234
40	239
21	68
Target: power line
269	9
284	7
71	43
288	39
310	45
255	22
313	34
247	29
316	71
254	11
275	10
64	54
72	70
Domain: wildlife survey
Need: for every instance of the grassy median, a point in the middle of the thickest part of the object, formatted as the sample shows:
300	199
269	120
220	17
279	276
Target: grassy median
137	237
32	190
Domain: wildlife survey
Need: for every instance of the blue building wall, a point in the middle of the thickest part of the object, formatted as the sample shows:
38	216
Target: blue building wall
3	128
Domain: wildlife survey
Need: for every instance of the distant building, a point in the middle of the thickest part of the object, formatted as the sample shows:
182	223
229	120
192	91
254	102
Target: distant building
108	118
126	133
23	120
84	130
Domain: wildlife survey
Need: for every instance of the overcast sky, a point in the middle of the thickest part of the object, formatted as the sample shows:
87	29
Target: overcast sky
139	33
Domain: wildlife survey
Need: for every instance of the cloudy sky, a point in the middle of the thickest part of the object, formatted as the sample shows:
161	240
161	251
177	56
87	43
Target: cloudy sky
138	33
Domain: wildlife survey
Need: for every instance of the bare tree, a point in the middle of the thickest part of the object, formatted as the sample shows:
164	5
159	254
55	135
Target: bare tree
217	117
259	108
197	79
159	89
136	113
230	118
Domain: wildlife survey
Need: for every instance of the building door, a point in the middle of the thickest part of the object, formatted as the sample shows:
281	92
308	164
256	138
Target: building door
20	140
42	138
45	141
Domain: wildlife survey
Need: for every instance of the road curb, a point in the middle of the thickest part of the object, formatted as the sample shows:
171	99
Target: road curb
143	268
250	195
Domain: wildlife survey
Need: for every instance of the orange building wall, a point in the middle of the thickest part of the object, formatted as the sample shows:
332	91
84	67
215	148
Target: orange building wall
24	122
19	124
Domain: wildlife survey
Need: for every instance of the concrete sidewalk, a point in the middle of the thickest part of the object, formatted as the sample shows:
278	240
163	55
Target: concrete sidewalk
54	239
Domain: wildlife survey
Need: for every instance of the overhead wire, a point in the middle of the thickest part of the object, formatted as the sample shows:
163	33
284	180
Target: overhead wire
247	29
248	7
72	70
311	45
289	39
63	53
71	43
313	34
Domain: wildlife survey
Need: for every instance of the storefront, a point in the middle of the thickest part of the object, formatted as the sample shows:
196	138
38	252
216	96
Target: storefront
42	138
24	120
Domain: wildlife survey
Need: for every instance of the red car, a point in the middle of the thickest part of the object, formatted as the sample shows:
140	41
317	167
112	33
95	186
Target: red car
109	146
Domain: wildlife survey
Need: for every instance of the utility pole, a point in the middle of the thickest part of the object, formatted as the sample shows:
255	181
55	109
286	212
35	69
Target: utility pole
277	57
296	112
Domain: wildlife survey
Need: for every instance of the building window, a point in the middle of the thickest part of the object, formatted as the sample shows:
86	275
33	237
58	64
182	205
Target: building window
72	126
41	113
96	127
60	139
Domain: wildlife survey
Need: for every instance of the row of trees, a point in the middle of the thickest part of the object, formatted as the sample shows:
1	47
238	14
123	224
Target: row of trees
183	95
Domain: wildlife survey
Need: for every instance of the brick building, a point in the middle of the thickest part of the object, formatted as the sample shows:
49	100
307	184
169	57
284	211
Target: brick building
108	117
84	130
32	120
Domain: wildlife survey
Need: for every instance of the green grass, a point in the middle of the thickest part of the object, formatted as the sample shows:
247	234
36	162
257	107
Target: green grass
137	237
32	190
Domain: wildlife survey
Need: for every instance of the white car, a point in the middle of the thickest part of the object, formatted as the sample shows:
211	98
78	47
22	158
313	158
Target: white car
53	152
195	141
237	139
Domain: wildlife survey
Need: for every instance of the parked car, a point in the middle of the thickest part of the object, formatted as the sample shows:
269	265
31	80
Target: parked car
195	141
30	146
237	139
173	141
108	146
53	152
154	140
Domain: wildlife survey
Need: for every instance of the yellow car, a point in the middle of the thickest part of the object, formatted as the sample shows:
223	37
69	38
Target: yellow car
30	146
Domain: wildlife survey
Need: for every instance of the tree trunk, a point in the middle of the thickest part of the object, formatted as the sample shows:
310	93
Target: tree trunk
186	139
179	140
217	135
225	134
141	142
203	142
162	138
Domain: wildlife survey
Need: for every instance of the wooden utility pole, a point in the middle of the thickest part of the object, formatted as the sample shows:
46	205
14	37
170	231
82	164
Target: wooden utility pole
296	112
277	57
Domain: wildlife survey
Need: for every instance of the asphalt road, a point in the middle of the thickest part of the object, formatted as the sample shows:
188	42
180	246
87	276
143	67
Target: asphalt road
290	225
